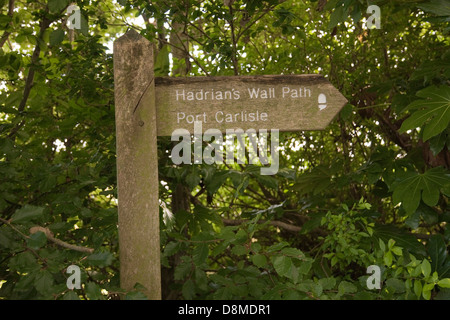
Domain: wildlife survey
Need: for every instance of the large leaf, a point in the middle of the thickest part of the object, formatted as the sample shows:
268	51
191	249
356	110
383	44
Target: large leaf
437	7
432	112
401	237
426	186
437	250
315	181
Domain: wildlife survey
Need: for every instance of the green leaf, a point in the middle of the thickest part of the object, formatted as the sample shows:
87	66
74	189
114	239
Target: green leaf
136	295
7	239
397	251
401	237
339	15
294	253
282	265
84	24
201	279
327	283
267	181
171	248
346	287
56	37
100	259
414	187
27	213
426	290
182	269
259	260
24	262
193	179
200	253
217	180
188	289
396	284
44	282
37	240
433	113
162	64
437	250
346	112
388	258
444	283
418	288
305	267
382	245
277	247
443	294
93	291
438	142
56	6
316	181
437	7
71	295
426	268
239	250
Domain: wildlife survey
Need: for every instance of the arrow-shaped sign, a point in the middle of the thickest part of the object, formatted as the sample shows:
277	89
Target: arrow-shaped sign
284	102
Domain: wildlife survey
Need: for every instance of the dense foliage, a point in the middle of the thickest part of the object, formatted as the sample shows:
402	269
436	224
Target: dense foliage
371	189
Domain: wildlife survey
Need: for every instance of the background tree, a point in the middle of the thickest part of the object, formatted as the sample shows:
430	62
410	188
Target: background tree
370	189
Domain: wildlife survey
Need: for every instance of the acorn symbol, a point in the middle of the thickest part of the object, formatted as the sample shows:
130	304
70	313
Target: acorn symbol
322	101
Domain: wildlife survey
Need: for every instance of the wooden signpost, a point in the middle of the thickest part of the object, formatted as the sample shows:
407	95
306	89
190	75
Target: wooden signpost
147	107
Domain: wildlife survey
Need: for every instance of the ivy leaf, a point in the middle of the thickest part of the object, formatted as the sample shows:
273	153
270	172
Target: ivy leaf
432	112
410	190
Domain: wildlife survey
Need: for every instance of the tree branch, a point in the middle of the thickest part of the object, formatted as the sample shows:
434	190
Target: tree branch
275	223
44	25
49	236
6	35
61	243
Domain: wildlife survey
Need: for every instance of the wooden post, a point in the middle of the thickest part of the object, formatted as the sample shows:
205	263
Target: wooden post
137	164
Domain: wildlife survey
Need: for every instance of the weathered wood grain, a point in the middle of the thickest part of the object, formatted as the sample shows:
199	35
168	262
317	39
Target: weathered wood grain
137	164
